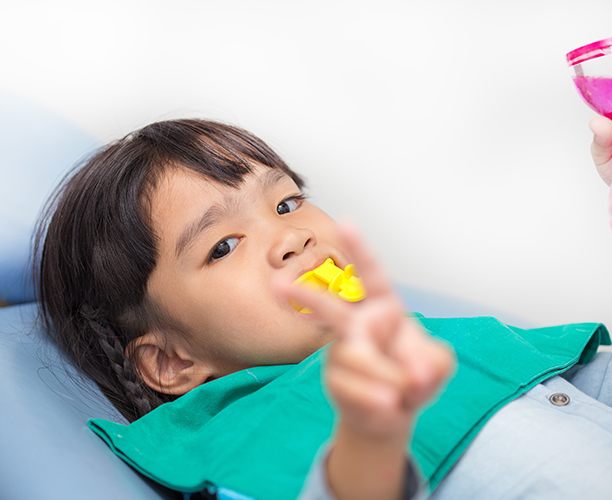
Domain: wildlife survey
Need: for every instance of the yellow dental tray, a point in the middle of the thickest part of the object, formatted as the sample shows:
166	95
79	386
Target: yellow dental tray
340	282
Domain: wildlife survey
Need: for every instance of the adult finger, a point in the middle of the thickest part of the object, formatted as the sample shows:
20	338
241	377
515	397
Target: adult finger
601	147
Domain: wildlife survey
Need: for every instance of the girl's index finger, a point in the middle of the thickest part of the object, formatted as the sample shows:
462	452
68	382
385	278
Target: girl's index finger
331	310
370	272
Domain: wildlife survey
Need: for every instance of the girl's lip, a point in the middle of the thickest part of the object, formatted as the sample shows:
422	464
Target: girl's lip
339	261
311	266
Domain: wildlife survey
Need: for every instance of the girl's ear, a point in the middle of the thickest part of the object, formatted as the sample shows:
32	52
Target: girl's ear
167	368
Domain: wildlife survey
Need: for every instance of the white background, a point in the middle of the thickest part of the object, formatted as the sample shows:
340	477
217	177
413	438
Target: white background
449	131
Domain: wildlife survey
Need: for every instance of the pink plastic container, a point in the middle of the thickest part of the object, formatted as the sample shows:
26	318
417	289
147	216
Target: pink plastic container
592	73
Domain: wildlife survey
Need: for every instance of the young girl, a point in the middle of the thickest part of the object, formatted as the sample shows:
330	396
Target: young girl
167	267
157	275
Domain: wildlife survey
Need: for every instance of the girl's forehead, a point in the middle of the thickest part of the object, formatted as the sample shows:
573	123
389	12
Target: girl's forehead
184	200
176	181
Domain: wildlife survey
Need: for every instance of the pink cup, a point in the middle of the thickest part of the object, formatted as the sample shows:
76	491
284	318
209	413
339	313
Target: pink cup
592	73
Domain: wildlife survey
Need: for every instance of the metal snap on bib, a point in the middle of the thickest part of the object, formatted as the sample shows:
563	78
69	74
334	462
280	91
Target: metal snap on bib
559	399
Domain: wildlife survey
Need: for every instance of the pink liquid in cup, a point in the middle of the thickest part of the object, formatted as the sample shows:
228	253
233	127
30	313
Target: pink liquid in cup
597	92
591	66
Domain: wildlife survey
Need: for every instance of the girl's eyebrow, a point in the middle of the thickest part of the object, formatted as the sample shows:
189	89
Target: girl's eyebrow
217	211
211	217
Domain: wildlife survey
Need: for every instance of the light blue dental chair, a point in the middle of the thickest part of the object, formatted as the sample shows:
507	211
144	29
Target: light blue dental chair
47	452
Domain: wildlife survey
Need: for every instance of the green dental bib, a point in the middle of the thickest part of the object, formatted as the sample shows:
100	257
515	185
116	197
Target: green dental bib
258	431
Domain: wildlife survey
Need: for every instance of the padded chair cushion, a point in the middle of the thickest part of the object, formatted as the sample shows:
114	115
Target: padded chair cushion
47	450
36	148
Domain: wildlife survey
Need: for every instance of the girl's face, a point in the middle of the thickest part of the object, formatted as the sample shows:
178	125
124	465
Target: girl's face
219	249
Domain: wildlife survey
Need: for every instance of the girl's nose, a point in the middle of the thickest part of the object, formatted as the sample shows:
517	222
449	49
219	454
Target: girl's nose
290	242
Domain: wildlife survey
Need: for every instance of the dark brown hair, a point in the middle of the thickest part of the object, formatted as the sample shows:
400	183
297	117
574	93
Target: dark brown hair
96	248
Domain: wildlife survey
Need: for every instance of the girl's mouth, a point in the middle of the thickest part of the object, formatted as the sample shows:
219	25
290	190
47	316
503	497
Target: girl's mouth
343	283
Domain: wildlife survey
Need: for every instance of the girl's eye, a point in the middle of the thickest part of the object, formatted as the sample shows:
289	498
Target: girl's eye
290	204
223	248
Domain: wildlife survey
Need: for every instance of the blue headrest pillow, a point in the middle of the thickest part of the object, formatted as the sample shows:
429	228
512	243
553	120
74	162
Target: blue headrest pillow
37	148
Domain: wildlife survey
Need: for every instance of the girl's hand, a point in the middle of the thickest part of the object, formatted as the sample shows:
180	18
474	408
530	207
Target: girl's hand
601	148
383	367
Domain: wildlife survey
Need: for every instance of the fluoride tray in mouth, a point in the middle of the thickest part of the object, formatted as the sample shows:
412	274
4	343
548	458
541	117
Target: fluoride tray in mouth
340	282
